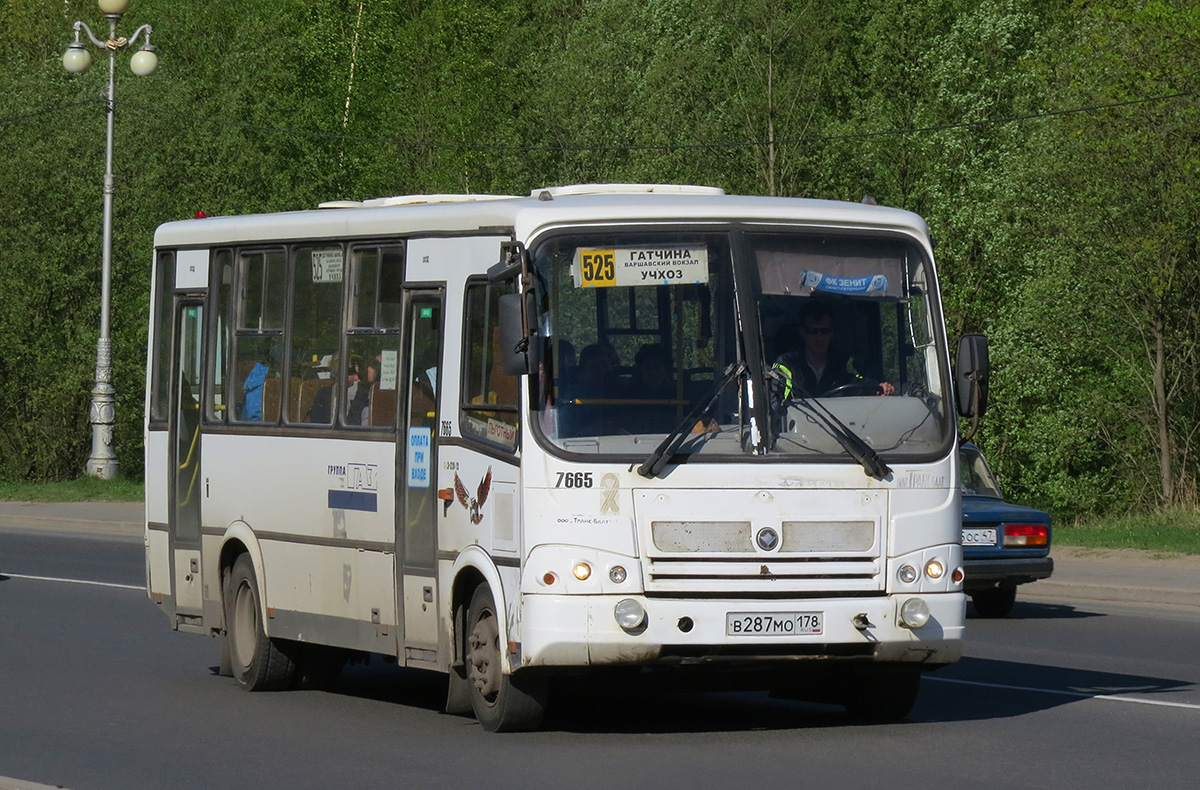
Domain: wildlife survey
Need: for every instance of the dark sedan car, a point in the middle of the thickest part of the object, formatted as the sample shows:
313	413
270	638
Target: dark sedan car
1003	545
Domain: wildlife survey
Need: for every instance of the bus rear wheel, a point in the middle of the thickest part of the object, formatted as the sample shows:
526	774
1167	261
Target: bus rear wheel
502	703
259	663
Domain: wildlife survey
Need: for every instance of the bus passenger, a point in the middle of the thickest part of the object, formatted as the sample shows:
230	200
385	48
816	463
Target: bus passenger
651	382
253	388
595	383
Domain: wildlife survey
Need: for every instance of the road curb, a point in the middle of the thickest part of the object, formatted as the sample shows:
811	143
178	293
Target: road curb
82	518
1046	590
74	526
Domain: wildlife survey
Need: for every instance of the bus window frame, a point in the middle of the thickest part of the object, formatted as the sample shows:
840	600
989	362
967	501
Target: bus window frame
350	328
343	245
213	305
464	404
159	412
241	273
731	228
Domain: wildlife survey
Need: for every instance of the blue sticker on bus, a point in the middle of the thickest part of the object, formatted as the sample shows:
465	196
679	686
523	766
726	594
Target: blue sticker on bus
875	283
420	441
366	501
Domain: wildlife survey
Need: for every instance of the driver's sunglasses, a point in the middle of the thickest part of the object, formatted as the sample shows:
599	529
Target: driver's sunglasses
818	330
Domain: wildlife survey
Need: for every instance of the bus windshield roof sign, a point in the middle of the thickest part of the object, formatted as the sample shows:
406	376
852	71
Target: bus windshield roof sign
818	281
624	266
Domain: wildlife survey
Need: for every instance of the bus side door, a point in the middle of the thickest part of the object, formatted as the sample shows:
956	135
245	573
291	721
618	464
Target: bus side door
416	523
184	480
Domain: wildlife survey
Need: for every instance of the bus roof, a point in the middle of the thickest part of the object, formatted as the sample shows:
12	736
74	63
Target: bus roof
524	216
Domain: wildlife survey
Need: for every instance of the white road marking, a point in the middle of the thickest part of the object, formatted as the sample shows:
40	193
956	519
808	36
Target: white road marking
72	581
1077	694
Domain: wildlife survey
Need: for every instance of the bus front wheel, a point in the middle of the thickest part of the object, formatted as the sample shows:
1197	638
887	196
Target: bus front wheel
502	703
259	663
882	695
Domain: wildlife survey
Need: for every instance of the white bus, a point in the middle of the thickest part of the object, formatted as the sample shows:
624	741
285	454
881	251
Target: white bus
514	438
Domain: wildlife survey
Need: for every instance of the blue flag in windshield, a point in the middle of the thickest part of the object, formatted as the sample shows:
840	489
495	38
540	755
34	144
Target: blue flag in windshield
871	284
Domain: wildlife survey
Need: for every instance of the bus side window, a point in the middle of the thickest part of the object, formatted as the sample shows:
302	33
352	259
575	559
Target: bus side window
160	398
218	397
258	339
368	388
490	396
314	327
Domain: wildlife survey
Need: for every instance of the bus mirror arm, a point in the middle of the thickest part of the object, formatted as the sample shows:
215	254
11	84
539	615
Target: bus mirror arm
511	263
519	354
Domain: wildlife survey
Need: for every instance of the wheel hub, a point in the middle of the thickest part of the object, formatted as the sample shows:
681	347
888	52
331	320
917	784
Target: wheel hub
484	656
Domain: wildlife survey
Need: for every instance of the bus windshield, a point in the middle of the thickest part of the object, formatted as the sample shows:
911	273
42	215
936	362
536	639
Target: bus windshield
640	328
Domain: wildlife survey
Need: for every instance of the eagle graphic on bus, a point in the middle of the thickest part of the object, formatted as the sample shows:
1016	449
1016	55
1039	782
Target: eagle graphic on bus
474	503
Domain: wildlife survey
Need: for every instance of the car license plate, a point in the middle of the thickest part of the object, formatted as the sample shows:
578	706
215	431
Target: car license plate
979	537
774	623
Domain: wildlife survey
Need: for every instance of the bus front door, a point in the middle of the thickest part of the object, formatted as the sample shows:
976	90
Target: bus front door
416	527
184	476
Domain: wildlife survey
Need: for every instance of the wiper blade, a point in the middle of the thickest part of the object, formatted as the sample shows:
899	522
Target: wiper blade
850	441
667	448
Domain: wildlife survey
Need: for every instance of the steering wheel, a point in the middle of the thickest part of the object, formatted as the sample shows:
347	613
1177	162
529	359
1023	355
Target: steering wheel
859	387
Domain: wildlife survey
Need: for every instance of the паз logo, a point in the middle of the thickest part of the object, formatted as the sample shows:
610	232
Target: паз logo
473	504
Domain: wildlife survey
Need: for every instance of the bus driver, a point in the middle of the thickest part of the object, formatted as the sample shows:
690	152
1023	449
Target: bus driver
819	370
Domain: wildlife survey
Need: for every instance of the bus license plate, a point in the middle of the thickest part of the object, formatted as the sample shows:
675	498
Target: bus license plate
774	623
979	537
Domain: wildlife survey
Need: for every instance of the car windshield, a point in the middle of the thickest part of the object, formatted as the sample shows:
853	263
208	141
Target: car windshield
640	327
977	479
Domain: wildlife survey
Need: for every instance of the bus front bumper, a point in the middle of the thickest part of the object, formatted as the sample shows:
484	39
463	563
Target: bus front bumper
582	630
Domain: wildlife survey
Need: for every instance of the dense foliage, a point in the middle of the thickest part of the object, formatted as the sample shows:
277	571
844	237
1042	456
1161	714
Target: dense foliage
1052	147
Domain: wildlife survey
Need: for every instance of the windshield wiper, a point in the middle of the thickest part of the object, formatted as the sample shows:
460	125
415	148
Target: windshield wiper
666	449
850	441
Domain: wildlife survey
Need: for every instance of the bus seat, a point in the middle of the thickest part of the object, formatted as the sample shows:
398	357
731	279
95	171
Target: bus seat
382	405
308	395
294	413
271	394
504	385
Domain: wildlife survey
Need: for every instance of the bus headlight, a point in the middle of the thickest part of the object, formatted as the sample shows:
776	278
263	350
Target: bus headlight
582	571
630	614
934	569
617	574
914	613
907	574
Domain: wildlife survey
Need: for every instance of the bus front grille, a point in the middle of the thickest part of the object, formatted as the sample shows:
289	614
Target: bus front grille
833	576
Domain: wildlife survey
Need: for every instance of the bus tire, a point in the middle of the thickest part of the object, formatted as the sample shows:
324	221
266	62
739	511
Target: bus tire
995	603
882	696
502	703
259	662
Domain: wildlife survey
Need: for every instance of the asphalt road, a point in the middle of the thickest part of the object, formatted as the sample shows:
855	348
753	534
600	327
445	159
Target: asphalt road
96	691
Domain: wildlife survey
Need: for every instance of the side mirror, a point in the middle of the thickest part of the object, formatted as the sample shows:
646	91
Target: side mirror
971	376
519	352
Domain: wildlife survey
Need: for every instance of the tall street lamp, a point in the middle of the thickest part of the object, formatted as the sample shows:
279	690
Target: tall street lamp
103	461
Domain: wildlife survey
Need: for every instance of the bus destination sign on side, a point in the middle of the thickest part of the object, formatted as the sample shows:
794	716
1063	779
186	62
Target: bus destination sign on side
624	266
327	266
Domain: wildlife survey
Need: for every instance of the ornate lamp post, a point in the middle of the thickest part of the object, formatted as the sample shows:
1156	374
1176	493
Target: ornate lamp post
103	461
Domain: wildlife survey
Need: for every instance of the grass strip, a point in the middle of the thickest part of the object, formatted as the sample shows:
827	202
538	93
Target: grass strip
84	489
1176	530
